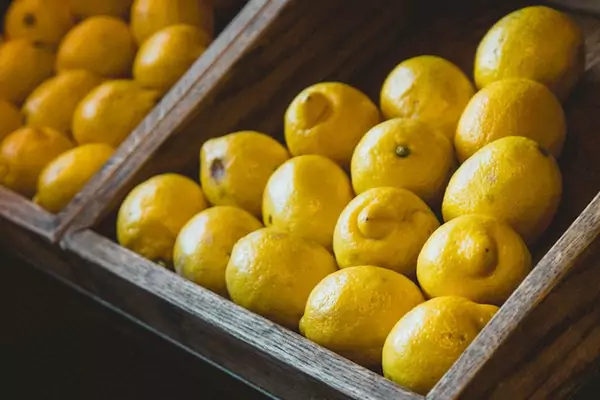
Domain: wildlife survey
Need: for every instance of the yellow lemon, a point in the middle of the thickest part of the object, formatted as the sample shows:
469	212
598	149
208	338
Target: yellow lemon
44	21
67	174
23	66
150	16
537	43
167	55
513	179
154	212
111	111
353	310
11	118
329	119
272	273
102	45
235	168
24	154
204	245
53	103
427	340
86	8
428	88
511	107
383	226
305	196
404	153
476	257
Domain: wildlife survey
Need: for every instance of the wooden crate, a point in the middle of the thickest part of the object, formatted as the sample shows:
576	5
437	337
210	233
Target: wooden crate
272	51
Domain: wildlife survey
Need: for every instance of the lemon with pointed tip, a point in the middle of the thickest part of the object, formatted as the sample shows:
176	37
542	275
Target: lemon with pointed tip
305	196
235	168
427	340
404	153
353	310
329	119
53	103
204	245
11	118
476	257
537	43
427	88
512	179
24	65
24	154
272	272
166	55
383	226
511	107
85	8
102	45
43	21
150	16
111	111
67	174
154	212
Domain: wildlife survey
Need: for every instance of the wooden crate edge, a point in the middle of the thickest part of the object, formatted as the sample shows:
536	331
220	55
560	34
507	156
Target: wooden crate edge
551	269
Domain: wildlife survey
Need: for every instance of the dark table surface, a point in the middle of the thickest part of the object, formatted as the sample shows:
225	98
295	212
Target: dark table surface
56	343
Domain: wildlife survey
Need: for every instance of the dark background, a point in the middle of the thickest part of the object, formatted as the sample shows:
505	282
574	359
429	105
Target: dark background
56	343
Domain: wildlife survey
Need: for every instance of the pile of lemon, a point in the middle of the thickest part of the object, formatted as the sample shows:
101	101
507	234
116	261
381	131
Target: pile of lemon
349	260
77	76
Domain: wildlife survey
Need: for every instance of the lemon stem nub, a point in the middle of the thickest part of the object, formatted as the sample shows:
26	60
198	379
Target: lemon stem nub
402	151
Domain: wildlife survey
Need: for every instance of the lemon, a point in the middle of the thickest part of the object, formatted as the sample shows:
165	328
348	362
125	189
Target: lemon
428	88
513	179
24	154
67	174
235	168
23	66
404	153
427	340
476	257
53	103
511	107
305	196
204	245
44	21
102	45
154	212
353	310
272	273
329	119
167	55
537	43
150	16
111	111
11	118
86	8
383	226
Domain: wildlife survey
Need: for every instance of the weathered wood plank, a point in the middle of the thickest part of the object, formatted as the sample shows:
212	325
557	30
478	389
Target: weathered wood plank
271	357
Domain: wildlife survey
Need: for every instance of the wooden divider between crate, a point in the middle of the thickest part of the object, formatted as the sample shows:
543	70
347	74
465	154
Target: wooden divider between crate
21	211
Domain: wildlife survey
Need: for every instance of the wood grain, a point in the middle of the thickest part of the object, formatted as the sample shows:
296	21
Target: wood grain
271	357
18	210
